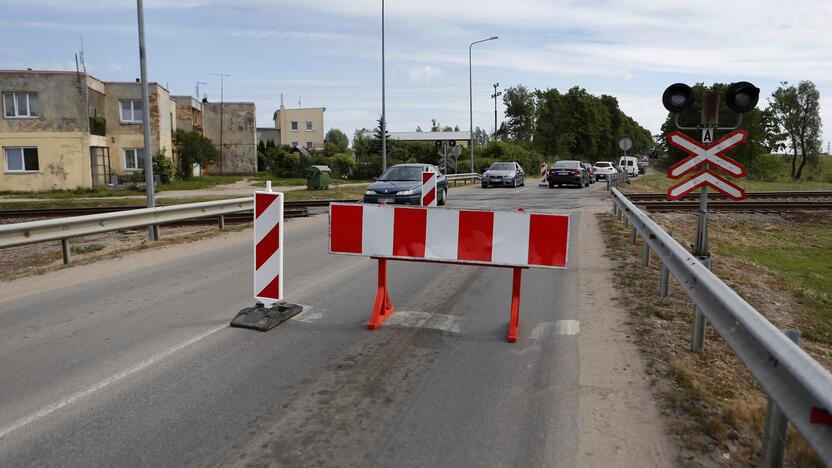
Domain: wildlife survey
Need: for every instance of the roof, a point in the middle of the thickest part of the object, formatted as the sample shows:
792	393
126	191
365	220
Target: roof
274	116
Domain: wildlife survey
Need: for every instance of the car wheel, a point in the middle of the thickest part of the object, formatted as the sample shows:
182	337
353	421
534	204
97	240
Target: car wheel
523	181
443	196
484	185
551	185
514	183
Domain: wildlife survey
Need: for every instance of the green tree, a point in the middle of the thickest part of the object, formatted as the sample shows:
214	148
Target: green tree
337	138
797	112
377	137
519	102
284	162
343	165
192	148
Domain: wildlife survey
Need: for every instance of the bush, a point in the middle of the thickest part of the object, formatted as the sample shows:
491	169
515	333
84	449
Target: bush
192	148
283	162
163	167
342	165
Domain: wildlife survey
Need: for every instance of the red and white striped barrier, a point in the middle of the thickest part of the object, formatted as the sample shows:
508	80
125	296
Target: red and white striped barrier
429	189
518	240
544	171
268	242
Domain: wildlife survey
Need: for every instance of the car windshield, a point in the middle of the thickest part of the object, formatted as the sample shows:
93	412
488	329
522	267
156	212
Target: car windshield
568	164
603	164
403	173
501	167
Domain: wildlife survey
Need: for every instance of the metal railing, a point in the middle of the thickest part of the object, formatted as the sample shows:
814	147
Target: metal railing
63	229
465	178
798	387
617	179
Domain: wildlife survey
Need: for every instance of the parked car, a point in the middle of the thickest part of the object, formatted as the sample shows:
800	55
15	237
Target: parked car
568	172
402	184
629	164
642	165
504	174
588	169
603	169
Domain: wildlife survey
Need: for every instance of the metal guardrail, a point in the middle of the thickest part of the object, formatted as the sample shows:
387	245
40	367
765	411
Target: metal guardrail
465	177
617	179
797	385
63	229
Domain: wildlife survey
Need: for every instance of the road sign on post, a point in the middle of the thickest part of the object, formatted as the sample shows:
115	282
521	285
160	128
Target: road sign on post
429	189
704	154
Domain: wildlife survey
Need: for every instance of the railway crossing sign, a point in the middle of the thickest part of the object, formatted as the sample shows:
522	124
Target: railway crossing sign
707	154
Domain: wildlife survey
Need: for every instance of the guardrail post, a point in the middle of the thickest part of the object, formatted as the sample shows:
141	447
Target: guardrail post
697	339
222	222
65	250
777	426
633	236
645	254
665	277
154	232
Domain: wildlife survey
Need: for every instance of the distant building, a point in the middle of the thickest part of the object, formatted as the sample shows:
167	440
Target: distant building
296	127
62	130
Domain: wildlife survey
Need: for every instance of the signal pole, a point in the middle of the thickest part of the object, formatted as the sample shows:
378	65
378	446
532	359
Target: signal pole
495	96
222	109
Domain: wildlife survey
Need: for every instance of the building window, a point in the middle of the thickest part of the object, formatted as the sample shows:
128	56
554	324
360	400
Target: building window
21	105
21	159
308	125
310	145
294	125
294	144
132	111
134	159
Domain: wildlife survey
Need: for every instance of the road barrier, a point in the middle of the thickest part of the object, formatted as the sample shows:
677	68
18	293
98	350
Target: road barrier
518	240
429	189
464	178
544	174
797	385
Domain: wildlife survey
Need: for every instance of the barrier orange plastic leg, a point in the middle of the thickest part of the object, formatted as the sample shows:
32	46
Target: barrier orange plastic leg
514	323
383	307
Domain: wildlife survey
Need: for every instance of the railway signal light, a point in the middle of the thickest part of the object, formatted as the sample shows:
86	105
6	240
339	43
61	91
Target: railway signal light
677	98
742	96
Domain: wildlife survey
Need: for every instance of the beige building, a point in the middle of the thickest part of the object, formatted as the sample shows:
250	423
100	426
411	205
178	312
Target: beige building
62	130
296	127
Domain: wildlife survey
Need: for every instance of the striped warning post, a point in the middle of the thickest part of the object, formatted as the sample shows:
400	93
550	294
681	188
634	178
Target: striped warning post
268	240
544	171
498	238
428	189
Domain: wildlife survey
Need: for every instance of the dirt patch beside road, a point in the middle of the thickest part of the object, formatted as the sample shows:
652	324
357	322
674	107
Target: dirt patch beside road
714	405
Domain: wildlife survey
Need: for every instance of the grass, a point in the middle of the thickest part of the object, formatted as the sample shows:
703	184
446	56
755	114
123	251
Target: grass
202	182
97	192
345	193
798	254
87	248
777	178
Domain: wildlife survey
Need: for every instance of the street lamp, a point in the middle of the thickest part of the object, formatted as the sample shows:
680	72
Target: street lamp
383	113
471	98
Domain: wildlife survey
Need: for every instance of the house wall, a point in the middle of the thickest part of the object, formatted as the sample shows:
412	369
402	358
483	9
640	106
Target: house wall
266	134
239	147
63	161
283	121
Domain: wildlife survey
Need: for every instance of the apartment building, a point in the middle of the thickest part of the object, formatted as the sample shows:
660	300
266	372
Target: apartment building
296	127
63	130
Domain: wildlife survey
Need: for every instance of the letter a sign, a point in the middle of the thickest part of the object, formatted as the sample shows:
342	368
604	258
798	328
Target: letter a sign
707	136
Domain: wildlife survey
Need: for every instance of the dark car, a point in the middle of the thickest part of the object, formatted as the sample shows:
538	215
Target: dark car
402	184
504	174
590	171
568	172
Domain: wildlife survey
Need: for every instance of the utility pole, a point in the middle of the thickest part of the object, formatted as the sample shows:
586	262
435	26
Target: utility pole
222	109
383	113
197	88
495	96
150	189
471	98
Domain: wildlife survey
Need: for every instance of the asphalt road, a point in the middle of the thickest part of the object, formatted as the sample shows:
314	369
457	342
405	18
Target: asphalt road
140	368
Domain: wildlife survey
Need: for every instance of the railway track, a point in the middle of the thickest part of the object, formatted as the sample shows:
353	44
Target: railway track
292	209
805	195
722	205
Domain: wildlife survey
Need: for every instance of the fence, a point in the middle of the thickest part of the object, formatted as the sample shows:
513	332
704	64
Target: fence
464	178
798	387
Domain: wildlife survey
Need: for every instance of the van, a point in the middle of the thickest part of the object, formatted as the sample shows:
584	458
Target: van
629	165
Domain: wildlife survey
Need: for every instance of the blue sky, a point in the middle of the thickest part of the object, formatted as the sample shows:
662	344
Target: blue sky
327	52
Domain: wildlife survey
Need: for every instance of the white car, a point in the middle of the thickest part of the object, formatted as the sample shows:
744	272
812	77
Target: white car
629	165
603	169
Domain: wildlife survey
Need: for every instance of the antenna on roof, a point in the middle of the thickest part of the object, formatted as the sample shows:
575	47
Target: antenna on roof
298	102
83	64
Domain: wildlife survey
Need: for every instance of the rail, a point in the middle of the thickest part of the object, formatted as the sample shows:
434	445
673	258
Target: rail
798	385
465	178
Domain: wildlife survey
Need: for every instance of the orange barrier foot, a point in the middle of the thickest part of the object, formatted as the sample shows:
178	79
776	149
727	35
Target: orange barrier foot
514	322
383	307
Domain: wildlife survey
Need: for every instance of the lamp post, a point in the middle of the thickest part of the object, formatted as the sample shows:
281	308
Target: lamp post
222	108
150	189
383	113
471	98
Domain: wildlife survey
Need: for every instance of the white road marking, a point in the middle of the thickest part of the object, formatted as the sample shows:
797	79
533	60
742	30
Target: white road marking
104	383
560	327
415	319
521	190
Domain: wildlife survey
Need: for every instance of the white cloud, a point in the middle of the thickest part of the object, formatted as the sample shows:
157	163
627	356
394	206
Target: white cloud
423	74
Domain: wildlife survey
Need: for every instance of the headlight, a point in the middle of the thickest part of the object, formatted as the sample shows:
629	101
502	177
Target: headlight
408	192
370	192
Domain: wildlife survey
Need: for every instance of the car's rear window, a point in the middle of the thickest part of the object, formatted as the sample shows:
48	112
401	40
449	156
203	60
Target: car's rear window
603	164
569	164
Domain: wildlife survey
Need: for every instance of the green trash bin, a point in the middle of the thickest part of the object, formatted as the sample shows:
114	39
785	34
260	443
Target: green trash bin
317	177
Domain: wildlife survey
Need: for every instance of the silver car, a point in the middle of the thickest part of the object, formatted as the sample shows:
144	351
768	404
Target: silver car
504	174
